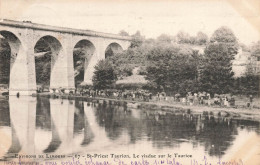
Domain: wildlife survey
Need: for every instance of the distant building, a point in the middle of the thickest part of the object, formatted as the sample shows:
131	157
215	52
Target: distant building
244	60
240	64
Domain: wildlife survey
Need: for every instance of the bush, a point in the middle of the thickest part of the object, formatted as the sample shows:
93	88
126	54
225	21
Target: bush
104	75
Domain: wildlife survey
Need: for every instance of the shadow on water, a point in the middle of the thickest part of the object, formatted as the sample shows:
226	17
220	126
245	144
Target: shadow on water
43	118
79	117
88	132
16	146
4	110
72	126
166	129
55	142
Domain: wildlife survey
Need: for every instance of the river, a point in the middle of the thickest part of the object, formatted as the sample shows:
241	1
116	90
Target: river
31	125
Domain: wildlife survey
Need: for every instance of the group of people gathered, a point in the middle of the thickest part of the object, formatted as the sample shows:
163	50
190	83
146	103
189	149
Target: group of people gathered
204	98
141	95
199	98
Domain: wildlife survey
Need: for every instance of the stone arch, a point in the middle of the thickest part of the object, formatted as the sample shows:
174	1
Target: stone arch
112	49
10	72
48	51
83	52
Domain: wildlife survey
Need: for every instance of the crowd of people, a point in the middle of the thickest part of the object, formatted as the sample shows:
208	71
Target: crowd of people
204	98
200	98
141	95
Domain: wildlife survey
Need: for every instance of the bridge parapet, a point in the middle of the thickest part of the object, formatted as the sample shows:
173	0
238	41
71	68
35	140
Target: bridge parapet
62	42
36	26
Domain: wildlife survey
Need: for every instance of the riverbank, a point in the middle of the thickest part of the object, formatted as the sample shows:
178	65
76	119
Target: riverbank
229	112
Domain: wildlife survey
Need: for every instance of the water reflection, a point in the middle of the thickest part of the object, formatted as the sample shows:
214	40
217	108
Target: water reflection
22	121
62	124
41	125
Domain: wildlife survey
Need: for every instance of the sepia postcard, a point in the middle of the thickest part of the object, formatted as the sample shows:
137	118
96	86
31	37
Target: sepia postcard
129	82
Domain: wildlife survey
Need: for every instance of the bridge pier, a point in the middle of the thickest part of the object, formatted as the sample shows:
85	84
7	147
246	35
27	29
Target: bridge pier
68	48
22	67
23	38
23	123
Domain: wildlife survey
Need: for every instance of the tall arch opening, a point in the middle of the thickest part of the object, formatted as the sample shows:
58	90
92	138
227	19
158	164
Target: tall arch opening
5	59
113	49
82	54
10	47
46	50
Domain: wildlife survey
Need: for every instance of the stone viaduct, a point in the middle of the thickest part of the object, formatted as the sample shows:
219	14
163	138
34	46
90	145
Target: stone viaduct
22	38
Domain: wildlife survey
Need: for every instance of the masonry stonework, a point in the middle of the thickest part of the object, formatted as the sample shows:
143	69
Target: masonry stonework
22	38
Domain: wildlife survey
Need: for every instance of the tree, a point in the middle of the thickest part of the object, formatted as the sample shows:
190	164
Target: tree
124	62
223	35
43	69
226	36
183	38
244	47
5	60
123	33
192	40
255	49
248	84
104	75
164	38
201	38
216	75
79	59
169	70
109	52
137	40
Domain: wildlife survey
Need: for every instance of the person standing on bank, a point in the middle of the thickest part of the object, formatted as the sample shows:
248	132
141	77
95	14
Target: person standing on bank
251	101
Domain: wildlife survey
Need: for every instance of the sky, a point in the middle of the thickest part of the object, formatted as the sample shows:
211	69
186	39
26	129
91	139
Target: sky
151	18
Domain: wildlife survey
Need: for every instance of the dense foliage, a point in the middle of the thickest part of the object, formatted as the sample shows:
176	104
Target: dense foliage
43	57
43	69
225	36
184	38
169	69
5	60
79	59
255	49
247	85
104	75
124	62
217	75
170	64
